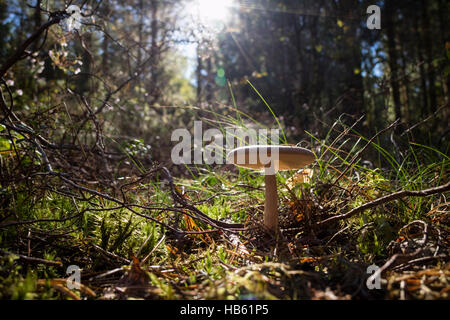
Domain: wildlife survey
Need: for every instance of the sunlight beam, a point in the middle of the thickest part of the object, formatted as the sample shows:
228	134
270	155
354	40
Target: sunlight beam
211	11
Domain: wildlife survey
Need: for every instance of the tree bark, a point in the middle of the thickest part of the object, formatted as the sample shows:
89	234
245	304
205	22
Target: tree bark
392	51
423	83
154	53
37	23
198	72
429	52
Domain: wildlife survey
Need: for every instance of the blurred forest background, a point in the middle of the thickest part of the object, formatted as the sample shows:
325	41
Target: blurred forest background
147	67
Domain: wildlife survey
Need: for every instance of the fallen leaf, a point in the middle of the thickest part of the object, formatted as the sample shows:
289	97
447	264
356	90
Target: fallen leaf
301	176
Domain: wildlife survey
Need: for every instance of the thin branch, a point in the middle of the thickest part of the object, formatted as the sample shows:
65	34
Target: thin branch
388	198
32	259
425	120
55	18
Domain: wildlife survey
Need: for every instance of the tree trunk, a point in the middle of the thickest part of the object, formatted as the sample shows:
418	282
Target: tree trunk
390	30
37	23
198	72
353	96
429	52
105	45
423	81
154	53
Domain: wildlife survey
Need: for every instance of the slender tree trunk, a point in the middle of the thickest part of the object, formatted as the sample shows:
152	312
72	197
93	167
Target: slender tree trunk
423	81
315	94
353	98
392	51
209	85
198	73
37	23
429	52
85	79
105	56
105	45
445	37
139	80
405	85
154	52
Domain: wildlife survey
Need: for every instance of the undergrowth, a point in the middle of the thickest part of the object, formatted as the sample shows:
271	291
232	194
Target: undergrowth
122	254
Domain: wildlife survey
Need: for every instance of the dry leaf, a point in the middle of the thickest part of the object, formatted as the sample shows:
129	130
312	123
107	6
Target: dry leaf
301	176
136	275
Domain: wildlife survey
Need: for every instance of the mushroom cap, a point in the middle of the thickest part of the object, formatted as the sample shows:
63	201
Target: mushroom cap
260	157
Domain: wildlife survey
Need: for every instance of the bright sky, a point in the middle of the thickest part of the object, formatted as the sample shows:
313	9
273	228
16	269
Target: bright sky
213	15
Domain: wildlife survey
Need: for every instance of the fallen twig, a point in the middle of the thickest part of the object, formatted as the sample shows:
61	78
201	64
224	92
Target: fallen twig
32	259
388	198
425	120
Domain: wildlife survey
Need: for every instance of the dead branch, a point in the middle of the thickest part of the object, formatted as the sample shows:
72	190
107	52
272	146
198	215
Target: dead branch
387	198
434	114
55	17
32	259
199	215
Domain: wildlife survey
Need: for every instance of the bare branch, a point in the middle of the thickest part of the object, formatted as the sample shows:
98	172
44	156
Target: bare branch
388	198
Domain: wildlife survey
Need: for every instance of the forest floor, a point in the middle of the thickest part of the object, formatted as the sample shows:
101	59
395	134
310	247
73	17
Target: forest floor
158	237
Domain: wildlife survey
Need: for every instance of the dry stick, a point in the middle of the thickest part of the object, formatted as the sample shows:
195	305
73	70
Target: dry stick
56	17
63	282
110	198
405	265
153	250
32	260
426	119
388	198
358	154
122	204
7	111
15	223
390	262
177	198
110	254
62	289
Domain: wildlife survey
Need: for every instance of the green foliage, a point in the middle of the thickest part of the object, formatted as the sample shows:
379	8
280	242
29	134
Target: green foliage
12	284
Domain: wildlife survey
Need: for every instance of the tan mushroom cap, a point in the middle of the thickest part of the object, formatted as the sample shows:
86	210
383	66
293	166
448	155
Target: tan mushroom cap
259	157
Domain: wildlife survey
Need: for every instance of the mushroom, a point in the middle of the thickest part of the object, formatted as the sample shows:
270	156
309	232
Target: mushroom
271	158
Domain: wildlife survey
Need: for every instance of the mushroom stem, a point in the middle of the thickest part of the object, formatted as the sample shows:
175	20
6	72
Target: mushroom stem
271	205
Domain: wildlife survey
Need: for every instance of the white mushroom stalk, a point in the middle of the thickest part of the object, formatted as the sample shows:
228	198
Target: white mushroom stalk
271	159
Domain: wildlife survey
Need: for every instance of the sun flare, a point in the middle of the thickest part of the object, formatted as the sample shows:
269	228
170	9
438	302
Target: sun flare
211	11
